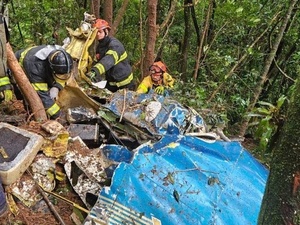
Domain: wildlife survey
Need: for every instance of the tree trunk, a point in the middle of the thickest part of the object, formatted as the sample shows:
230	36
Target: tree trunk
119	17
164	28
186	38
203	38
25	86
141	66
151	36
108	11
267	66
169	18
95	8
281	199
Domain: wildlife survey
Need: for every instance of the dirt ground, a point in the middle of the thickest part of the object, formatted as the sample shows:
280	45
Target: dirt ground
41	214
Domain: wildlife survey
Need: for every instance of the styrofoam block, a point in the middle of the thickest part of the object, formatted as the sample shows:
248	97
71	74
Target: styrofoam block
18	161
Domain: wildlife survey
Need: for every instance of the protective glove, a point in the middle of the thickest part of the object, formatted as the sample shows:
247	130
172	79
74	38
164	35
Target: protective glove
53	93
159	90
7	95
91	75
168	80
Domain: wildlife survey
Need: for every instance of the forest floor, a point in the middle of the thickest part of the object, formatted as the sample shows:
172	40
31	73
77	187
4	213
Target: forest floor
41	213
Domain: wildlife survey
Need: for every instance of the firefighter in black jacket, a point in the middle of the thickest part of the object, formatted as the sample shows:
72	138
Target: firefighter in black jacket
47	67
112	63
6	92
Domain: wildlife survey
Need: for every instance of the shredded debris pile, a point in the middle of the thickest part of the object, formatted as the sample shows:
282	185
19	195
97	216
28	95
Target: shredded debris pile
136	158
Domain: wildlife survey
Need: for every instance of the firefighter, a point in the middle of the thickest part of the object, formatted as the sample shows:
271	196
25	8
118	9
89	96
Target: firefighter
6	92
48	67
112	62
158	80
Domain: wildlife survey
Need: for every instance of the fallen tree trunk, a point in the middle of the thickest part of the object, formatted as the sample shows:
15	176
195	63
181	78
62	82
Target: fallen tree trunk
32	98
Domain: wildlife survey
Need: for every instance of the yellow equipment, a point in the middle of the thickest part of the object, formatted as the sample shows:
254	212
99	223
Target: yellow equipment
80	48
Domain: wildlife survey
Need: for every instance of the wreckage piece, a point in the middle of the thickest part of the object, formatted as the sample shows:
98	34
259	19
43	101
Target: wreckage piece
16	156
43	171
89	134
104	127
184	180
25	190
53	127
25	86
73	96
79	48
171	118
81	114
86	170
123	133
91	170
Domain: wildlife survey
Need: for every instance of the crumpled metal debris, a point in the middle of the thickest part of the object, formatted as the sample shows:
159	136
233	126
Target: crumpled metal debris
86	170
151	110
52	127
43	170
24	189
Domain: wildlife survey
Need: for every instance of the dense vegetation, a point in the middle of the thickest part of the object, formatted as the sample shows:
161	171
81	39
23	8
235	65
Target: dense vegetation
235	39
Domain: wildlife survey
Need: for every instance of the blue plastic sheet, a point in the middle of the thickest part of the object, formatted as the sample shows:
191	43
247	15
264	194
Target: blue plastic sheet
183	180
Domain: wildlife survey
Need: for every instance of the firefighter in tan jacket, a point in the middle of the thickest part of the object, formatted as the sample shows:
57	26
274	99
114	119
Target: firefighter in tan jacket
159	79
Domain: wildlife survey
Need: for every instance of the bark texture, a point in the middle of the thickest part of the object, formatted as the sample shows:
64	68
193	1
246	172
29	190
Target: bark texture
281	199
151	36
108	11
119	17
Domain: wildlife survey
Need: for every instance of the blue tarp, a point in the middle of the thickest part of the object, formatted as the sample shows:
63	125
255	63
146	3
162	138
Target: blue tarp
183	180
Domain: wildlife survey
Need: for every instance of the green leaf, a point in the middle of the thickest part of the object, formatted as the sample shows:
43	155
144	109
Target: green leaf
280	101
239	10
254	115
266	103
264	111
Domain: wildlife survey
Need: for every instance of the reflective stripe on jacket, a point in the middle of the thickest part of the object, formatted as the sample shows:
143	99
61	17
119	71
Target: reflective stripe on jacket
112	63
4	79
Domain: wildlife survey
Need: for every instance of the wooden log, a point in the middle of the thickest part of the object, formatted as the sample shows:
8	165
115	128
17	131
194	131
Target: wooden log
31	96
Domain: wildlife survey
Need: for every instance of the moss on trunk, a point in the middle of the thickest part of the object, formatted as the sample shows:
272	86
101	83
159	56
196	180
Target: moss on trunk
280	203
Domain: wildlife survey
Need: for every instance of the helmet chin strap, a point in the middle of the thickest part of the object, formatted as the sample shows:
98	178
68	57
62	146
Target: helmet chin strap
106	32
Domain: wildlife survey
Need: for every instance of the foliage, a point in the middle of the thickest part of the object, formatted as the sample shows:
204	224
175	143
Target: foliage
34	23
265	119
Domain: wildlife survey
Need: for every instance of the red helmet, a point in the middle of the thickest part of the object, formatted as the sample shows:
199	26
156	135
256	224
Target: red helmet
160	65
101	24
